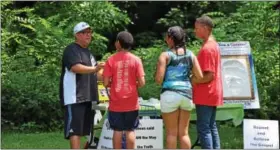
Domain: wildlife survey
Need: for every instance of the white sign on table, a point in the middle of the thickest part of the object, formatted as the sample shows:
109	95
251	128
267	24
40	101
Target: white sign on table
260	134
105	140
149	135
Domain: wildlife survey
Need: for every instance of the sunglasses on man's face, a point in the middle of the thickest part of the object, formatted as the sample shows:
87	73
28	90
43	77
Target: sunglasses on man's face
86	32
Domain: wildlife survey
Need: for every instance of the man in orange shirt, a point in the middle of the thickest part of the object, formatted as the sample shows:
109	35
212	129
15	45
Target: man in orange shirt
123	73
207	92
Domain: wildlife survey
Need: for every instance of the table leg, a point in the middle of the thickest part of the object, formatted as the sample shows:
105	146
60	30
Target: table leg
196	143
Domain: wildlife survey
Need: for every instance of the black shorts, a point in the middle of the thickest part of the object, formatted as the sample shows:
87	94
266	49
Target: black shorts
123	121
78	119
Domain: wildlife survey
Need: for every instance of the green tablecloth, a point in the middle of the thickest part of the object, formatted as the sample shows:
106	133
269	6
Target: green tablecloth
234	112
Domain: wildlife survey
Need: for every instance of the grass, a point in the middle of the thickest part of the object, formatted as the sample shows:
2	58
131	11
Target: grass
51	140
231	138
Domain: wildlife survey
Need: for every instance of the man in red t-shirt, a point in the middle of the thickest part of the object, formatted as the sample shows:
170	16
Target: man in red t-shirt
124	74
207	92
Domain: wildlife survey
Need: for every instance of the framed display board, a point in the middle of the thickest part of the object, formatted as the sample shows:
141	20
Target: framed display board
238	75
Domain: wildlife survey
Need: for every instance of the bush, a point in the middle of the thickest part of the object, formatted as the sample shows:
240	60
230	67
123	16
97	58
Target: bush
32	43
145	39
258	23
149	57
32	100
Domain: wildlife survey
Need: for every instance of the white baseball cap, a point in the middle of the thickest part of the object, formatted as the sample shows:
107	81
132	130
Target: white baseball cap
80	27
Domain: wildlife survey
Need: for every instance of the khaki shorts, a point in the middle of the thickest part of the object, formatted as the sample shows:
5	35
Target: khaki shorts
171	101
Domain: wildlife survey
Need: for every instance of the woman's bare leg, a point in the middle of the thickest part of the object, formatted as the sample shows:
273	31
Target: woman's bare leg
184	120
171	128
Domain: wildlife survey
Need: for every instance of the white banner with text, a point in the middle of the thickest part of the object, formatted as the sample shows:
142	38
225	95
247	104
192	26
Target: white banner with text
149	135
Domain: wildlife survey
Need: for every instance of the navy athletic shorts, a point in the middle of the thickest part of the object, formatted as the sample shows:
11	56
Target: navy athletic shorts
123	121
78	119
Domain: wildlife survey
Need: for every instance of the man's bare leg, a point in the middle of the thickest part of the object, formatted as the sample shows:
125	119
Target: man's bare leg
75	142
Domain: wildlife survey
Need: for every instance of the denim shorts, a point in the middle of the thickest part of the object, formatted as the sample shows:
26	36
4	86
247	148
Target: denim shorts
171	101
123	121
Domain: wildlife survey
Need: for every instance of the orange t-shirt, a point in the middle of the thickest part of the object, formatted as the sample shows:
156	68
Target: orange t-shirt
124	68
210	94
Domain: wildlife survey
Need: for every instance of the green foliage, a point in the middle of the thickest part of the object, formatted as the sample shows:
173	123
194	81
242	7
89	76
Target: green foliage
174	17
257	23
185	14
145	39
32	43
103	17
149	57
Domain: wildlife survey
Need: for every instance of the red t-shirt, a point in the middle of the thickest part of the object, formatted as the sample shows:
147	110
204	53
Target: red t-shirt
210	94
124	68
